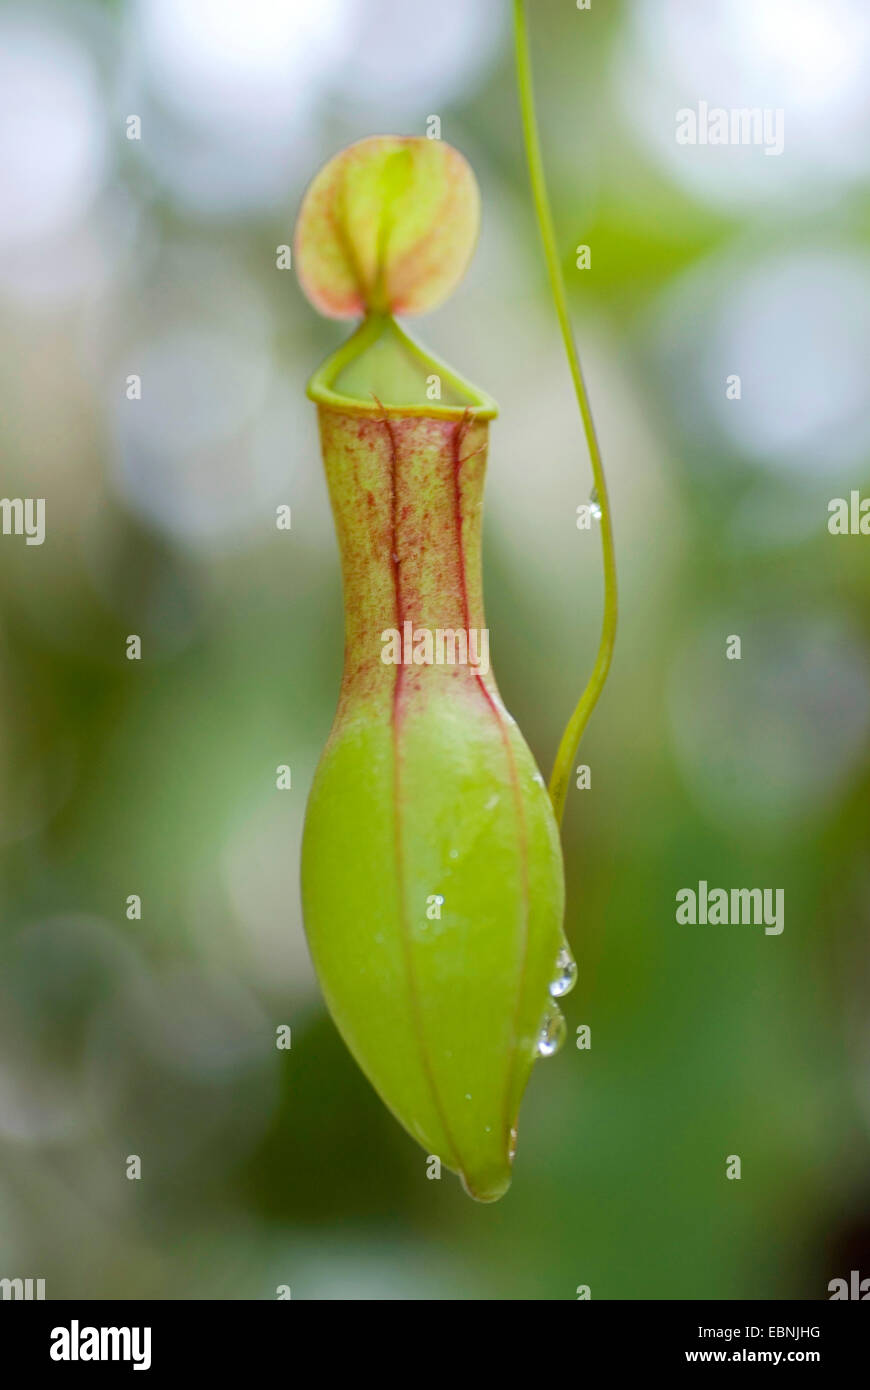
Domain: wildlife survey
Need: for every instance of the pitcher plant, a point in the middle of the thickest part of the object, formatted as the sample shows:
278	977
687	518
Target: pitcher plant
432	874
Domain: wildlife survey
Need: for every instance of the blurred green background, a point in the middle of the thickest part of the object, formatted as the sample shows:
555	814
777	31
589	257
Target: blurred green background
156	777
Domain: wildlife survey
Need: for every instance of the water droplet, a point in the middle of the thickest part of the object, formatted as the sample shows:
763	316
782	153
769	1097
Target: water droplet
594	505
565	977
552	1034
512	1146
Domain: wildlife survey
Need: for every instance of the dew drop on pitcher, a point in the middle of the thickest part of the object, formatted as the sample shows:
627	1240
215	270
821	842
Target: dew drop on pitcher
594	505
565	977
552	1034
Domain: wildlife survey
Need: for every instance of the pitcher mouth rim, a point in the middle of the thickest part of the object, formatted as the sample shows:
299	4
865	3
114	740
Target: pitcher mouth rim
480	406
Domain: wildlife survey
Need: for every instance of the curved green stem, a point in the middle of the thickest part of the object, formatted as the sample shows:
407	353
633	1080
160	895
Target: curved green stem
561	773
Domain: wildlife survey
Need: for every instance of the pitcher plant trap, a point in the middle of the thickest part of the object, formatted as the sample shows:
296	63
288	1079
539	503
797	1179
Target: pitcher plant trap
432	875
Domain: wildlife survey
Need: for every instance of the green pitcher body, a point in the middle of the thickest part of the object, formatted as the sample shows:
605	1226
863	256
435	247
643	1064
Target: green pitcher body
432	878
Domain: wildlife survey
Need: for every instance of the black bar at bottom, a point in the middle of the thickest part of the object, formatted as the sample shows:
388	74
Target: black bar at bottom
280	1338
